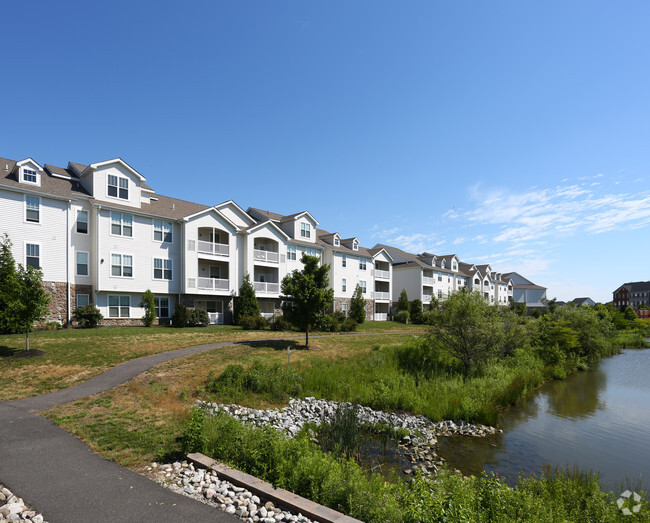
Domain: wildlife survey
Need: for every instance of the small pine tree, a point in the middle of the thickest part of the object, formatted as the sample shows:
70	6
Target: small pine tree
416	314
358	306
149	304
246	304
403	302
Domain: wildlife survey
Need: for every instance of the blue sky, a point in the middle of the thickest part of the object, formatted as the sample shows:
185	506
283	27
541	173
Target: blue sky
514	133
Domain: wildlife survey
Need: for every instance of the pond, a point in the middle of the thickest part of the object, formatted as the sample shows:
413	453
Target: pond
597	420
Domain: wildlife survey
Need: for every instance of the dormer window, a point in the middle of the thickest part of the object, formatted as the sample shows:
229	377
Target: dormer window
443	264
30	176
454	266
355	245
118	187
336	241
305	230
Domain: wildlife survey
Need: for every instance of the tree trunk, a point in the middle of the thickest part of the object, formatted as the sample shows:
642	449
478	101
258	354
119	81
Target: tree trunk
307	338
27	337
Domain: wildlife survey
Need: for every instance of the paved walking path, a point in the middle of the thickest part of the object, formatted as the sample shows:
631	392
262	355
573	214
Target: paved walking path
60	477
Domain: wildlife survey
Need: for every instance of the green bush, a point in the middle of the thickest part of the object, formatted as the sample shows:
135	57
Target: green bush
181	316
198	318
149	304
193	438
349	325
402	317
253	322
88	316
416	312
53	326
279	323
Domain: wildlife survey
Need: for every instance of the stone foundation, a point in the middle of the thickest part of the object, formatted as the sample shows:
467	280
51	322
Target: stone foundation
370	307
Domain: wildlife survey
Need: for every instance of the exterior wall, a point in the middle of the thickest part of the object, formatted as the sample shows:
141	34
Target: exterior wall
249	264
352	274
142	247
292	229
409	279
100	182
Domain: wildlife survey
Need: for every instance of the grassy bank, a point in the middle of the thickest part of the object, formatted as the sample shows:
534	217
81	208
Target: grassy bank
75	355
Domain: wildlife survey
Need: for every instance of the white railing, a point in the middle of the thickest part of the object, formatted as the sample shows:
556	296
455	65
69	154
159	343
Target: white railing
379	295
427	281
266	256
219	249
216	318
384	275
266	287
427	298
267	315
381	316
213	284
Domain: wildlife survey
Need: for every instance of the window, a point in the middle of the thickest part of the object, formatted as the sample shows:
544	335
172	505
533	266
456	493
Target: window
119	306
344	285
162	307
454	266
439	277
162	269
33	255
121	224
305	230
362	264
362	284
162	231
83	300
344	308
344	261
82	264
291	252
439	293
312	252
122	265
32	209
82	222
336	241
355	245
118	187
30	176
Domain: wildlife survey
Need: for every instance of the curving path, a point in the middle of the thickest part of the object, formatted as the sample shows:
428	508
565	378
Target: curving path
60	477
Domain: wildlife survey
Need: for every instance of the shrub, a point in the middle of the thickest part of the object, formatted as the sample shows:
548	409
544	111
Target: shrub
358	306
88	316
193	438
246	303
417	315
402	317
181	316
149	304
53	326
339	315
279	323
349	325
253	322
198	318
403	302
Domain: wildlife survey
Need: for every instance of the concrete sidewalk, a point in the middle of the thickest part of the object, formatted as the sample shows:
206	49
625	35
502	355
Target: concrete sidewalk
60	477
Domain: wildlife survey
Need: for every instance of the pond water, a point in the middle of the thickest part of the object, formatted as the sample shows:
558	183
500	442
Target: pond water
597	420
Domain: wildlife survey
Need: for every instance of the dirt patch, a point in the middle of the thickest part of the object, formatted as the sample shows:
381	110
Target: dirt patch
32	353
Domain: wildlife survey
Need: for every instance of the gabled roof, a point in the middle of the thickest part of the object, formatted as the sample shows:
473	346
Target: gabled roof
28	160
635	286
411	259
59	172
261	216
376	252
260	225
122	163
50	185
322	234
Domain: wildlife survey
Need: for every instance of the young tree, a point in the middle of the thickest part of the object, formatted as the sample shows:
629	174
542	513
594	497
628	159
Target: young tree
403	302
358	306
305	296
246	304
465	326
149	304
33	299
416	313
8	288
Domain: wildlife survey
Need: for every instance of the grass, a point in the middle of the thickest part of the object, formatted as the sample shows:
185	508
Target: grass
75	355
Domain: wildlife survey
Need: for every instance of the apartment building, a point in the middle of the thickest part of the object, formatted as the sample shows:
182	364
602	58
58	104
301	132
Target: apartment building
102	235
635	294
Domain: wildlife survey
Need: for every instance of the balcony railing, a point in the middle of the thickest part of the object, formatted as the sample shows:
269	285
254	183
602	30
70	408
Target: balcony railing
267	315
384	275
213	284
381	316
218	249
266	256
427	281
216	318
264	287
379	295
427	298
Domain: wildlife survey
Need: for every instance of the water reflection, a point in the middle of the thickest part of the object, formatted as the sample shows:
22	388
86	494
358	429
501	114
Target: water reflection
597	419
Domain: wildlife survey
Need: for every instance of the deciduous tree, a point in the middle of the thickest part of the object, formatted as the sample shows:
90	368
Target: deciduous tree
32	299
305	296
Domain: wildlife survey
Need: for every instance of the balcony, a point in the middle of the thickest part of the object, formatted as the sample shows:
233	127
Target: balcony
213	284
216	318
267	315
427	298
266	256
263	287
216	249
427	281
380	295
383	275
381	316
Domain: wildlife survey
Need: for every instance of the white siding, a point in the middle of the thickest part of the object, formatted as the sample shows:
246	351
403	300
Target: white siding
100	177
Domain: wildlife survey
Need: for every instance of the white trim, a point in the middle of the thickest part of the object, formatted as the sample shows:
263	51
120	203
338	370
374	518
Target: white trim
121	254
76	299
25	209
162	231
76	263
121	162
110	224
153	269
119	306
76	222
40	254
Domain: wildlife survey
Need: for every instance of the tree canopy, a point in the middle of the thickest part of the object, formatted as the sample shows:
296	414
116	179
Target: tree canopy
305	296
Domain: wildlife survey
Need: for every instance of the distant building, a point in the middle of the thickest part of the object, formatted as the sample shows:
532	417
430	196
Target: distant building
583	301
635	294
